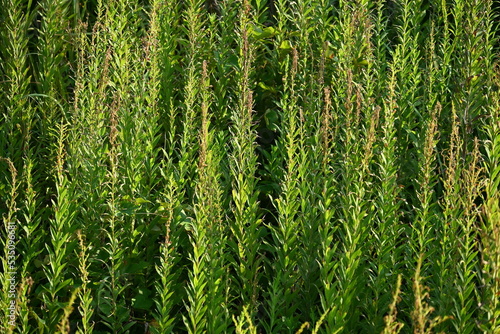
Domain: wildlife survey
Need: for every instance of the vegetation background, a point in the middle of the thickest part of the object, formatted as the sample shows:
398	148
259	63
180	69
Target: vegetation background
195	166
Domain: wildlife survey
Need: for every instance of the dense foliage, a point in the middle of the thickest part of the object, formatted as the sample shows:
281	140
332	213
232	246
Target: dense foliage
249	166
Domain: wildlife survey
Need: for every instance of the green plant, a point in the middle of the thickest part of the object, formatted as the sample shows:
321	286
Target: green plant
246	166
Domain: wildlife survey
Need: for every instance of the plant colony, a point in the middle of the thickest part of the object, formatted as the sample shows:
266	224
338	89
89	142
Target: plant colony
242	166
